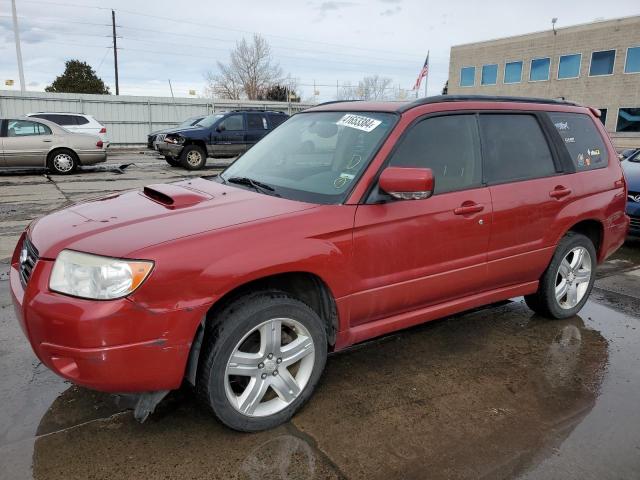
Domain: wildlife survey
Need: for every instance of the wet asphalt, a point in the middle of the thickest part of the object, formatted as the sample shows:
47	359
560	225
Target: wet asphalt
495	393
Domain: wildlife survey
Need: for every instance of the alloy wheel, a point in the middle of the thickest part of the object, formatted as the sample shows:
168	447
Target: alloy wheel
573	277
194	158
269	367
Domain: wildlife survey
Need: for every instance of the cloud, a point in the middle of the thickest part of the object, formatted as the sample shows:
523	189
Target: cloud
391	11
391	1
333	5
28	33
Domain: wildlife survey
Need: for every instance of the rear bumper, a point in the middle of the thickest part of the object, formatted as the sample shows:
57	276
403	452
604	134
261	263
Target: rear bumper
112	346
92	157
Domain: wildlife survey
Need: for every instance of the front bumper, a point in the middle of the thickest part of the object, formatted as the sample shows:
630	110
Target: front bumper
633	210
111	346
170	149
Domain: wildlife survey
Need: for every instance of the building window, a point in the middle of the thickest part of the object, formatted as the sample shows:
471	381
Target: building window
467	76
513	72
569	66
539	69
628	120
632	65
603	115
602	63
489	74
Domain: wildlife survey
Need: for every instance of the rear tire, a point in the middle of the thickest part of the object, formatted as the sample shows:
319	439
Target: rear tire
193	157
565	286
280	348
62	161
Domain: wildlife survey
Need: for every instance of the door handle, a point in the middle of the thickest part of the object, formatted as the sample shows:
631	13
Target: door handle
468	208
47	141
560	192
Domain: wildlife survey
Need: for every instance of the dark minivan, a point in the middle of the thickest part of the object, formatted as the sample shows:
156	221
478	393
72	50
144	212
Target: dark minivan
219	135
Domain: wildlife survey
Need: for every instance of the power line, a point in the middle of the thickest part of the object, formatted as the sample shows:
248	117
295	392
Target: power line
210	25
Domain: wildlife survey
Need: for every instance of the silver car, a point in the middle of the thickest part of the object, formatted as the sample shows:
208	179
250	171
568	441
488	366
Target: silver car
29	142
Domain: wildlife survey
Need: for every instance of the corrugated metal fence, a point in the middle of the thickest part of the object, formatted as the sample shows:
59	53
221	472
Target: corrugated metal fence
128	119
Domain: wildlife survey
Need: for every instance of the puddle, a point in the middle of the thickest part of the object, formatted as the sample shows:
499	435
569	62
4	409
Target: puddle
496	393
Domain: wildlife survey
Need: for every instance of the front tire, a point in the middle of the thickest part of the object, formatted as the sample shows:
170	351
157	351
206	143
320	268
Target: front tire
193	157
174	162
568	280
261	361
62	162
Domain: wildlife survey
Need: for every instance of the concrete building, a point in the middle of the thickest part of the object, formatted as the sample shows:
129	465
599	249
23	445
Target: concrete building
595	64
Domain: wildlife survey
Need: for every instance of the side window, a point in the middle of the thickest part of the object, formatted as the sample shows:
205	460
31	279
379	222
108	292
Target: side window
233	122
81	120
277	120
25	128
449	146
582	139
256	121
514	148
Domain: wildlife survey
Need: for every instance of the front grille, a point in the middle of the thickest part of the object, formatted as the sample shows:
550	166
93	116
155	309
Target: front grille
633	196
28	258
635	223
161	137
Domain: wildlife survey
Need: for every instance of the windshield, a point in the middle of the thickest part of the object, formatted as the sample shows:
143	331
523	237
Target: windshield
210	120
315	157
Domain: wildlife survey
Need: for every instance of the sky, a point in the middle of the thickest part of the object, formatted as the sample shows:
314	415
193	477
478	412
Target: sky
329	43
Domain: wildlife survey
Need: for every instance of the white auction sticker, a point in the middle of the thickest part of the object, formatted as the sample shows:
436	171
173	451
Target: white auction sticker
360	122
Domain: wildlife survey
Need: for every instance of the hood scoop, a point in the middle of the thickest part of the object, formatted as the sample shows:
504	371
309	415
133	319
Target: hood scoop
174	196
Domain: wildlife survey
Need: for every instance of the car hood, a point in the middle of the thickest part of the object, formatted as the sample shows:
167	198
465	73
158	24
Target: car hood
121	224
632	175
187	130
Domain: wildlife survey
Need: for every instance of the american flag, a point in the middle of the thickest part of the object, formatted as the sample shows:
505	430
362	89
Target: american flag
423	73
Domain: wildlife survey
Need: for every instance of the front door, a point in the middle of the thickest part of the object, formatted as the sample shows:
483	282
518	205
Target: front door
228	137
26	143
416	253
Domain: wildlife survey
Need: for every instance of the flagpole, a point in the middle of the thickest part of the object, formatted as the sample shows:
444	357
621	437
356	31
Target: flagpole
426	80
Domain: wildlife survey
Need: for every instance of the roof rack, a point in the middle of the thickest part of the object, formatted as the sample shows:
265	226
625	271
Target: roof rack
481	98
252	109
336	101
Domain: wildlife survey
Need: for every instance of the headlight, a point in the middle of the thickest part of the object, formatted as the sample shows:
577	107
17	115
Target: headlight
175	140
92	276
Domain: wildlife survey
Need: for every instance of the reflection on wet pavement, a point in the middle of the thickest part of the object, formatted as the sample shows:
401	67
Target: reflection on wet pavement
494	393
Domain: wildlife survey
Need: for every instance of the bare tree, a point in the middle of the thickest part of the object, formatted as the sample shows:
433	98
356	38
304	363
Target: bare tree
250	72
369	88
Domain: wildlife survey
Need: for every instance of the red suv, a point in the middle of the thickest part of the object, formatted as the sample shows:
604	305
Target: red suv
351	220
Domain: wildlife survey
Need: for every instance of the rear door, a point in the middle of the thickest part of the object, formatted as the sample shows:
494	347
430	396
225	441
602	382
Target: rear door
257	127
416	253
228	138
3	132
26	143
525	168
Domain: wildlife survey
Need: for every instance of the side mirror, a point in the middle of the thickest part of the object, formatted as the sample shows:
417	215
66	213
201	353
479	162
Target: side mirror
220	128
407	183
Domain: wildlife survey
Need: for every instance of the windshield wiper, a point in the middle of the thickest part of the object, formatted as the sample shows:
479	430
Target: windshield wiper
255	184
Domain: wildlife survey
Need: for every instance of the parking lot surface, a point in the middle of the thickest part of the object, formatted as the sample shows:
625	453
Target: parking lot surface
492	393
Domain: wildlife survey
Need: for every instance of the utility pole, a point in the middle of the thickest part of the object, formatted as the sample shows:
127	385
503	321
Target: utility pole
16	34
115	49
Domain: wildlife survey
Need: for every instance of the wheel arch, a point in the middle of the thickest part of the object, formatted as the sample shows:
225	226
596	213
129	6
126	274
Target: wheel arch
307	287
593	229
198	142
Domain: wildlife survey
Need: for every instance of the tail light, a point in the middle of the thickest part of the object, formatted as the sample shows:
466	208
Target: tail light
103	130
99	144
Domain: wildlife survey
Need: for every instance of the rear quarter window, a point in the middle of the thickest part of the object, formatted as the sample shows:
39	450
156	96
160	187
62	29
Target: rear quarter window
582	140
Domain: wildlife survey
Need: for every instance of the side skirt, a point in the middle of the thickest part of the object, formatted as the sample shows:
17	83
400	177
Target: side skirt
387	325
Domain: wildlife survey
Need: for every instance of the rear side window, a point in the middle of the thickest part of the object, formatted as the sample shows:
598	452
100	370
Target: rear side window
81	120
582	139
64	120
277	120
449	146
256	121
514	148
